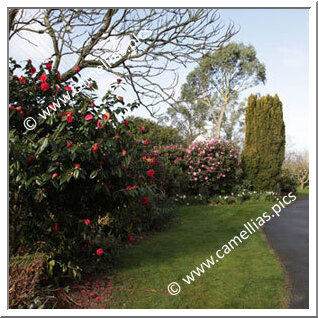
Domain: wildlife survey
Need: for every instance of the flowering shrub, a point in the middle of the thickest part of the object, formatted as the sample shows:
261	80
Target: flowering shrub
171	169
79	181
212	166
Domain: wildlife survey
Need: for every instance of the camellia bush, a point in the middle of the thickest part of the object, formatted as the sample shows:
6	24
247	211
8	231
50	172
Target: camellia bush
213	166
172	169
79	181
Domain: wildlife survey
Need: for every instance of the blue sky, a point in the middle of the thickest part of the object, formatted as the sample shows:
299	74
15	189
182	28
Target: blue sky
280	37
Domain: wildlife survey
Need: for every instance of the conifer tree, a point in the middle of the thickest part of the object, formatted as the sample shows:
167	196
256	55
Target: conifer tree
264	145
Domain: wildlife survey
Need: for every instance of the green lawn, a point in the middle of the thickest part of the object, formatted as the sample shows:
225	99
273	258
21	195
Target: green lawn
248	277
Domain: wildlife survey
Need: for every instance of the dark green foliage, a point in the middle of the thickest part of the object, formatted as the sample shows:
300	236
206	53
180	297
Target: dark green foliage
158	135
264	146
286	183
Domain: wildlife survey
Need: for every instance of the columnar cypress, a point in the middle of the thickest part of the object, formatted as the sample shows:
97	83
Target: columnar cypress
264	145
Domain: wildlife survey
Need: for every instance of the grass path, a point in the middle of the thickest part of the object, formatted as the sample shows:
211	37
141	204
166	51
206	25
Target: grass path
249	277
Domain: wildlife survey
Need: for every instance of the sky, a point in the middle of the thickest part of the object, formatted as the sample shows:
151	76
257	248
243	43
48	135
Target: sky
280	37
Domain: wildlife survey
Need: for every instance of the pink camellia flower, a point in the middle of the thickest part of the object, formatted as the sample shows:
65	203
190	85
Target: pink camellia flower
22	80
87	222
131	239
67	88
69	144
77	166
43	78
100	252
54	175
89	117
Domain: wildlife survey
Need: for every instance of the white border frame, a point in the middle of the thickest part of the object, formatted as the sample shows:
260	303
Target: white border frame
312	146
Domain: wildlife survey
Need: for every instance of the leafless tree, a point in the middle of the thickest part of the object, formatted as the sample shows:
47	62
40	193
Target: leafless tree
177	37
298	164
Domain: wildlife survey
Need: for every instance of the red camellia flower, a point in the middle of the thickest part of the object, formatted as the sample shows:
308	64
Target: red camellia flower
31	159
11	107
69	118
33	70
58	76
121	99
147	142
131	239
61	115
89	117
43	78
143	129
22	113
92	104
151	173
98	124
117	136
57	88
144	200
95	148
100	252
22	80
67	88
126	122
153	160
119	80
48	66
77	68
54	175
18	108
69	144
56	226
87	222
128	188
45	86
77	166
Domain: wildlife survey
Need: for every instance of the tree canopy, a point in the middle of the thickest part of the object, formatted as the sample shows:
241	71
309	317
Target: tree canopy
217	82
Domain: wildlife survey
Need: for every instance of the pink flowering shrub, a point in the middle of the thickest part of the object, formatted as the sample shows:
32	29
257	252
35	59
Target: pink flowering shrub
212	164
